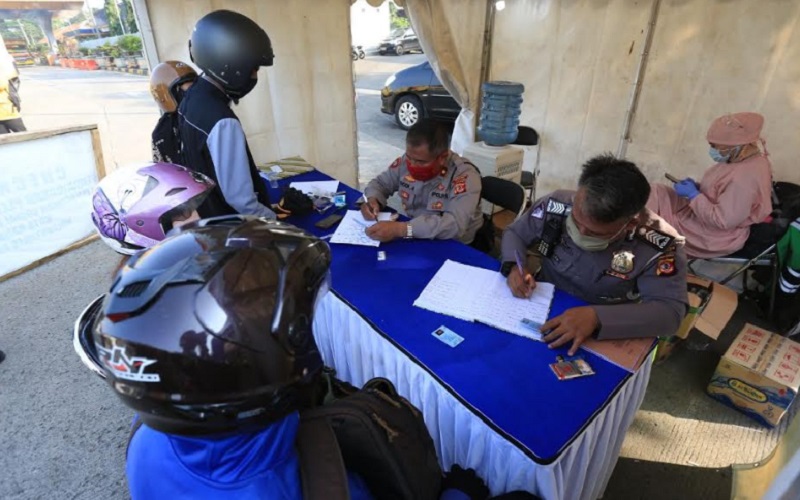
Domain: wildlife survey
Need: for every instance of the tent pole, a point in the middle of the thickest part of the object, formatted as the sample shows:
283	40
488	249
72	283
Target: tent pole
142	17
486	58
637	84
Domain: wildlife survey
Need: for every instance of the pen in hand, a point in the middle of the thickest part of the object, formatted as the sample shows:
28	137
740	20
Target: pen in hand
369	209
526	277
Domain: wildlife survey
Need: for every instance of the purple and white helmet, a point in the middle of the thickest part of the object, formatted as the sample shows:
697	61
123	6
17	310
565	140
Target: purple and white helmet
135	206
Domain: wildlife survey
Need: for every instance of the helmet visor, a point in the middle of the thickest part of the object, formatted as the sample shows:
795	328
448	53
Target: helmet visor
83	338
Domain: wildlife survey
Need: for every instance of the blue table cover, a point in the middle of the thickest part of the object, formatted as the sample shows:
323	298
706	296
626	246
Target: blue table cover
503	378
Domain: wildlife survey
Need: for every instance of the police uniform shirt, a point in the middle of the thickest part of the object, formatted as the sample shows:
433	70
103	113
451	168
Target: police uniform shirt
637	285
445	207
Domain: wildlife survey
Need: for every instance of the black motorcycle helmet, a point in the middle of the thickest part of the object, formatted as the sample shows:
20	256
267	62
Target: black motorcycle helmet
210	330
228	46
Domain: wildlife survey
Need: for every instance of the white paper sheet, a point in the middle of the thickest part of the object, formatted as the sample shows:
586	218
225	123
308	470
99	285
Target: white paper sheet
477	294
316	188
352	229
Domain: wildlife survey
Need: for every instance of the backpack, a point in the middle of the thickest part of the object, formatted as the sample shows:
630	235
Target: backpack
378	434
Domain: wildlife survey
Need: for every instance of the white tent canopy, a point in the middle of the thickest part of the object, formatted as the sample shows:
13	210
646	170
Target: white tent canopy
579	61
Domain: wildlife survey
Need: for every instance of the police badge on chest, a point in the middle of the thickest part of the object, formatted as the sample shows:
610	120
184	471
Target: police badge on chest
621	264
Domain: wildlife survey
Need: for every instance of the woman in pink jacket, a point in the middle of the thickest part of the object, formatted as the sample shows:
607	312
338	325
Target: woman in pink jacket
715	215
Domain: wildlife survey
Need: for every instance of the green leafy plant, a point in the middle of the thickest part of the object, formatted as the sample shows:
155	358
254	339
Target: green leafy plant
131	44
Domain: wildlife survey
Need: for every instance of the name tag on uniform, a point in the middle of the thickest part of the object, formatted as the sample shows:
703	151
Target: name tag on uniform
448	336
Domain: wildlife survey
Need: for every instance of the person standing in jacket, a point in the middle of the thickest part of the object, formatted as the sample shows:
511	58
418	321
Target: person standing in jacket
168	83
10	106
229	48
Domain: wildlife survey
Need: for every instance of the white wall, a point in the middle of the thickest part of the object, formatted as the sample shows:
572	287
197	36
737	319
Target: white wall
578	60
303	105
369	25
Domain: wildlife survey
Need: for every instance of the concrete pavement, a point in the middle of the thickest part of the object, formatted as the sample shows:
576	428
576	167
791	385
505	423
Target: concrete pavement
119	103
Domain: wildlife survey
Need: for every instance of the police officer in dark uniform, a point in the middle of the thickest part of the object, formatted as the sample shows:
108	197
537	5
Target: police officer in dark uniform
601	244
229	48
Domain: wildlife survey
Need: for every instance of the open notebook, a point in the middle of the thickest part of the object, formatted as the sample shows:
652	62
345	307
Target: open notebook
352	229
476	294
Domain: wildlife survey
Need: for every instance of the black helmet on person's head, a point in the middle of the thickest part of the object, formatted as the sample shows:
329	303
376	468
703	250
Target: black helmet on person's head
228	46
210	329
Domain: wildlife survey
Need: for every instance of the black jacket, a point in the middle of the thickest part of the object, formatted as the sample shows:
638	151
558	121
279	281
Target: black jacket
213	143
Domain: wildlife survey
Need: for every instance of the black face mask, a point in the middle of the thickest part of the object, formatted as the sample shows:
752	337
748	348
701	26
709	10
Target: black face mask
250	85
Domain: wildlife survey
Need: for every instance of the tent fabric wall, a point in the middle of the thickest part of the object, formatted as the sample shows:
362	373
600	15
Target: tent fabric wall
578	61
451	34
304	104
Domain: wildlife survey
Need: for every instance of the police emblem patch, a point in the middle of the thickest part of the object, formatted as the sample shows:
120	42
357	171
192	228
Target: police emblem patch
538	211
460	186
665	266
395	163
437	205
404	195
622	262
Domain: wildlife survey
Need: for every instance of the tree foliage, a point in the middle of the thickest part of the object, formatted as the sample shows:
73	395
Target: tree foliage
399	20
117	13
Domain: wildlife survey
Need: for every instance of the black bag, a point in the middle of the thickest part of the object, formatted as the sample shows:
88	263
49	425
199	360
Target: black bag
294	202
382	438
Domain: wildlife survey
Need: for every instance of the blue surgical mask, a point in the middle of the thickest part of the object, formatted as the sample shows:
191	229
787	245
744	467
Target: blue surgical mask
723	158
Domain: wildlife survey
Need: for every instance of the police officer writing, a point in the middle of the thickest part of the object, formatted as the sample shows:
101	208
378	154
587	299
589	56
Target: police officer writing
603	246
439	190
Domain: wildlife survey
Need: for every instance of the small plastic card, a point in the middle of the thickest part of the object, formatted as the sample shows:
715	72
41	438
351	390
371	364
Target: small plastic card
448	336
573	368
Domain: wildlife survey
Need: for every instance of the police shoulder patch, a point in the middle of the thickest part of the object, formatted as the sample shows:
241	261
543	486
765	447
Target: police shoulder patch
666	265
538	211
654	238
558	207
396	163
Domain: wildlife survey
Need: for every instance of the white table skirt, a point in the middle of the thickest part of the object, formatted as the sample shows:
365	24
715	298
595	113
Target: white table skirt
351	345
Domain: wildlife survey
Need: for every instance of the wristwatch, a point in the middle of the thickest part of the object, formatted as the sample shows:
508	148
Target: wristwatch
409	231
506	268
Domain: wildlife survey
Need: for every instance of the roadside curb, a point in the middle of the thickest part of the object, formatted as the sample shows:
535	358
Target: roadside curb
131	71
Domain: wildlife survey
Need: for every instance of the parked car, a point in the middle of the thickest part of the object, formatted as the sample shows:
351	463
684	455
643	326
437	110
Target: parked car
416	92
400	43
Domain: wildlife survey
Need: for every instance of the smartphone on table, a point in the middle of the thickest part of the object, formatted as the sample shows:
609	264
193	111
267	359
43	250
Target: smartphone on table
329	221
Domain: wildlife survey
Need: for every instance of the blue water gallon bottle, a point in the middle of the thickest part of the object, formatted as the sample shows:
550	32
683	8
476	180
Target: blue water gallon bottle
500	112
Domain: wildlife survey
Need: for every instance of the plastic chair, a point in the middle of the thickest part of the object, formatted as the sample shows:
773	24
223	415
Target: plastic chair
786	207
768	258
528	136
504	193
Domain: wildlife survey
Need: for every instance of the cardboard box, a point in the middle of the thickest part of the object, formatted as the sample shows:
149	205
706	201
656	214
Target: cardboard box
711	306
759	375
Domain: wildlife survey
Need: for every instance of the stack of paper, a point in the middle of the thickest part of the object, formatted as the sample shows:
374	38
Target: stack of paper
352	229
476	294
